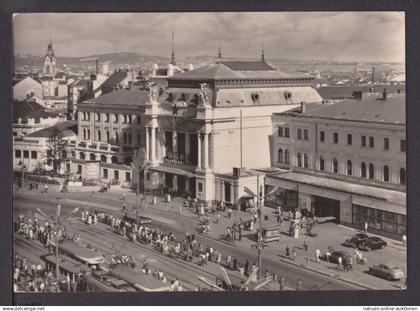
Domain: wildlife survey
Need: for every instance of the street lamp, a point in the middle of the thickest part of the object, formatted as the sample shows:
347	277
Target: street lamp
58	222
260	244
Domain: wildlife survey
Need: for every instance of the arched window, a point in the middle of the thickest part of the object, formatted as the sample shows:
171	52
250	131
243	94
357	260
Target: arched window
92	157
84	133
299	159
286	156
107	136
280	155
321	163
386	173
114	159
103	158
99	135
82	156
305	160
116	137
402	176
363	170
371	171
349	168
88	134
335	165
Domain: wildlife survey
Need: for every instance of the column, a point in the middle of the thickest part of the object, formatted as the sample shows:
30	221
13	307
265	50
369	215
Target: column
199	150
187	147
206	150
147	144
153	139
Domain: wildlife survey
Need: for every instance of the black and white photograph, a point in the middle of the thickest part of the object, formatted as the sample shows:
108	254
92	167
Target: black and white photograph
209	151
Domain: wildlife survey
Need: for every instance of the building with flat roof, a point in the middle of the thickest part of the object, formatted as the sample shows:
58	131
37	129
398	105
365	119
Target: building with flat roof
345	160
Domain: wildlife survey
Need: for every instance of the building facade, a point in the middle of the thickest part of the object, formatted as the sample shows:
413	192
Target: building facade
345	160
213	122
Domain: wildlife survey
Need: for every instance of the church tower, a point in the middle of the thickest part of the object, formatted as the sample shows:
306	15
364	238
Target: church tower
49	68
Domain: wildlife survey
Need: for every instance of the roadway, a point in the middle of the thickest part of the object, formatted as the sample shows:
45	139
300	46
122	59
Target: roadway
105	241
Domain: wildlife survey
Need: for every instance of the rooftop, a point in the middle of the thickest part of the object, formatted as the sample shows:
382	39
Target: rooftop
371	109
66	129
342	92
236	70
30	110
116	78
121	97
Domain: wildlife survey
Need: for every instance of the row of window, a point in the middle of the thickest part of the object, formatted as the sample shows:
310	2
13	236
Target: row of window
125	118
127	137
303	134
18	154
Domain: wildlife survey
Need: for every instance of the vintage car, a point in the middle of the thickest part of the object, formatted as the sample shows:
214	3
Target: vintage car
372	243
386	271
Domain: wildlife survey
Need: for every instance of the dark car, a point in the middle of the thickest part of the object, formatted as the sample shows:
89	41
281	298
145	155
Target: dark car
336	254
355	241
372	243
362	236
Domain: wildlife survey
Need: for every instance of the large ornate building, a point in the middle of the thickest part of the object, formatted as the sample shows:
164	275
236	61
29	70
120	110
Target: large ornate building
213	122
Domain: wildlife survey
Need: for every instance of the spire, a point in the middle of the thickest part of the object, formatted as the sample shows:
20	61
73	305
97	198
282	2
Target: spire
173	51
50	51
262	54
219	58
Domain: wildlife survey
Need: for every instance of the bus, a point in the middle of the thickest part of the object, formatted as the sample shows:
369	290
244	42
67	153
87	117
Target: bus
137	279
82	254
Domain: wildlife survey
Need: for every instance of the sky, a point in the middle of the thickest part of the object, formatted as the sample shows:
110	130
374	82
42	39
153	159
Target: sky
338	36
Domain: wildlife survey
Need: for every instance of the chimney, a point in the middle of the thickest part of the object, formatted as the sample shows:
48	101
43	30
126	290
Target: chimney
384	94
302	107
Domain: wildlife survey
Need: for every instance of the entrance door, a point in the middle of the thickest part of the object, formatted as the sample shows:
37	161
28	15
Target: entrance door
227	192
192	187
169	181
325	207
181	184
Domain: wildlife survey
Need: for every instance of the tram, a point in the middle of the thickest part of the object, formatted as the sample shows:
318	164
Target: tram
82	254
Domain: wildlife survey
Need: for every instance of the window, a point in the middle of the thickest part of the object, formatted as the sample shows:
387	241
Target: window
115	118
92	157
84	133
99	135
107	136
105	173
130	140
88	115
321	163
286	156
322	136
88	134
107	117
25	154
349	168
402	145
386	143
33	154
116	137
386	173
305	134
299	133
335	165
82	156
125	119
349	139
200	187
402	176
363	141
335	139
18	153
138	120
124	138
299	159
103	158
79	169
280	131
280	155
138	139
130	119
127	176
305	160
371	142
98	116
371	171
148	176
116	175
286	132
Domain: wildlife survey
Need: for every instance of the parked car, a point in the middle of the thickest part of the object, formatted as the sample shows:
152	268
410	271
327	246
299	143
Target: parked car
387	271
355	241
336	254
372	243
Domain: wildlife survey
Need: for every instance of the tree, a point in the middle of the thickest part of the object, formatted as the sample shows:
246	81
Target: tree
57	149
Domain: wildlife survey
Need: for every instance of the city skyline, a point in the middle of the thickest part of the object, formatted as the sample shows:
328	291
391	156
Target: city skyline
327	36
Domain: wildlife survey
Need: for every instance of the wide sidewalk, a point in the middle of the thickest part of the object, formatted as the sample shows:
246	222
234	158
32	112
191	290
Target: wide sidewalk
328	235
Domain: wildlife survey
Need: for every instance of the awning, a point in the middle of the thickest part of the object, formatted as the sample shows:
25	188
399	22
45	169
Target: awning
172	170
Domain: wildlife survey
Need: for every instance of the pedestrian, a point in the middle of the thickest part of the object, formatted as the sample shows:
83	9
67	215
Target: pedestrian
294	253
229	212
299	284
404	240
287	251
218	218
340	263
46	189
366	226
123	208
282	284
305	244
180	210
278	218
317	255
154	200
228	261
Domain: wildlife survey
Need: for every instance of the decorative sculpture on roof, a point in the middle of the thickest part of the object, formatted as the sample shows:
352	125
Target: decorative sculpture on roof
152	92
204	94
